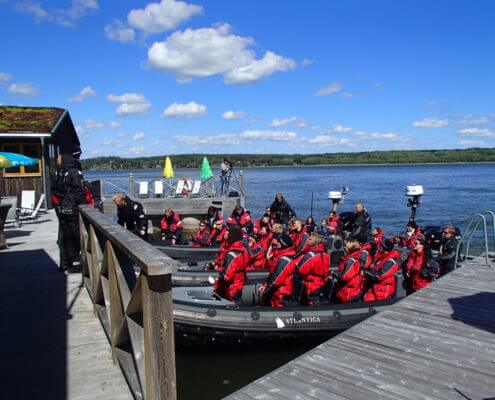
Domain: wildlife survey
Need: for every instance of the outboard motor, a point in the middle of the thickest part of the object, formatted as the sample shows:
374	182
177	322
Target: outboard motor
338	197
414	192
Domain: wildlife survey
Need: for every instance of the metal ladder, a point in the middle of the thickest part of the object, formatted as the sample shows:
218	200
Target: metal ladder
474	223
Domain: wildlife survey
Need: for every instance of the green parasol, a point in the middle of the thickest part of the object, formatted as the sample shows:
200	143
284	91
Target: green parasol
206	172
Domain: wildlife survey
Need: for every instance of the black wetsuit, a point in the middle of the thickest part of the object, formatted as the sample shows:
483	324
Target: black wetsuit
283	211
132	217
446	257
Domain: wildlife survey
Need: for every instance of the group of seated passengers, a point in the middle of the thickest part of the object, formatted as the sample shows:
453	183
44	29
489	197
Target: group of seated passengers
299	267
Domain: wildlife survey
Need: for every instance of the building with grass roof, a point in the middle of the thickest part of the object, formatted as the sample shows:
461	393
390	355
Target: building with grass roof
38	132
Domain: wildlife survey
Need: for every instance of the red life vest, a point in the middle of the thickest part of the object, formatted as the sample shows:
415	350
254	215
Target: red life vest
232	276
313	268
258	254
172	223
202	238
281	276
299	239
217	236
241	220
415	264
383	270
351	283
335	225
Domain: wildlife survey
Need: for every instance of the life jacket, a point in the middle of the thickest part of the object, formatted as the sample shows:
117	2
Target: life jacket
420	273
202	238
383	284
367	255
257	252
216	236
241	220
312	269
299	238
171	223
335	225
232	276
378	238
258	225
351	282
280	281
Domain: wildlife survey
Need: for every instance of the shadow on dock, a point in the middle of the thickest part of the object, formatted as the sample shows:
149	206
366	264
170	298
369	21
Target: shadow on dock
477	310
33	326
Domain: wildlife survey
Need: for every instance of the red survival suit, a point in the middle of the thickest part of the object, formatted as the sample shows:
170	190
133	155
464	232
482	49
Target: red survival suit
420	272
312	270
232	275
350	281
382	276
241	219
217	236
335	225
257	252
171	226
279	283
299	239
202	238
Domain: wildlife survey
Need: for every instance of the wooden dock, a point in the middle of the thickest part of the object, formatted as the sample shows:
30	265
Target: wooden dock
438	343
52	345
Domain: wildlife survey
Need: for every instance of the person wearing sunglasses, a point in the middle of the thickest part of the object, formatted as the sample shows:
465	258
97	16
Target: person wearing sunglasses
448	249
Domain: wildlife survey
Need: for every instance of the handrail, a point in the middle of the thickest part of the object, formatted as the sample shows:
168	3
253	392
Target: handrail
135	311
472	226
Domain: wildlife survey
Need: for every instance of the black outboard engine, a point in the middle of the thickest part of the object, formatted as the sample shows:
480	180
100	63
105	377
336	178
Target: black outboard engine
414	192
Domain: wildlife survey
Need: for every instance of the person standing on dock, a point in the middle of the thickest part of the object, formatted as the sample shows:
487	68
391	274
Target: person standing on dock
68	194
225	171
131	214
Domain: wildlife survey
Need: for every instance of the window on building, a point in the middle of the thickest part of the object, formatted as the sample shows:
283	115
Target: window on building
31	150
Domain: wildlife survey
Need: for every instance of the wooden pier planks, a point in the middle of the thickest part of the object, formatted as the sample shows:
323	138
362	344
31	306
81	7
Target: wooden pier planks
436	344
52	344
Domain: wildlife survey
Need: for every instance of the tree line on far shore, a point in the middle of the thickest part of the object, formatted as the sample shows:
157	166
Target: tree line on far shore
275	160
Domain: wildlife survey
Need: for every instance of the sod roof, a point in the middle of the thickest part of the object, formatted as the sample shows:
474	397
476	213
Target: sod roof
29	119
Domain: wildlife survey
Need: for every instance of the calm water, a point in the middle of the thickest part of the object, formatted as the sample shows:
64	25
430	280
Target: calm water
453	193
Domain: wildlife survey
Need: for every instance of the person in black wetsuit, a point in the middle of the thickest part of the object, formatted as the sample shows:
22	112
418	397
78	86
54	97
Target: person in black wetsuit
67	195
360	224
448	250
282	210
130	214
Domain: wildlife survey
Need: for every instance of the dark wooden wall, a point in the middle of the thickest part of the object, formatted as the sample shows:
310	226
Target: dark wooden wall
13	186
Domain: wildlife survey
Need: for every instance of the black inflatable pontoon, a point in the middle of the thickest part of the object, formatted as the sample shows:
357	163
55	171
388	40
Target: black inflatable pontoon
188	252
199	318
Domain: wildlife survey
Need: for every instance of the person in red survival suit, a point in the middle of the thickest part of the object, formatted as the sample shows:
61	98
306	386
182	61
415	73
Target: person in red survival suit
202	237
367	254
299	235
171	226
277	290
350	282
258	250
409	240
381	275
217	234
421	268
377	235
232	275
311	272
262	226
334	223
241	218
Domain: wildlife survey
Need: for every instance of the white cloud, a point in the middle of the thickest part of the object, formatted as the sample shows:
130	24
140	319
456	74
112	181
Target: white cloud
186	110
113	125
431	123
268	135
471	142
23	89
233	114
469	119
67	17
197	53
388	136
5	77
222	138
162	16
477	132
118	31
340	128
130	103
334	87
325	140
278	122
92	124
137	149
85	92
139	136
306	61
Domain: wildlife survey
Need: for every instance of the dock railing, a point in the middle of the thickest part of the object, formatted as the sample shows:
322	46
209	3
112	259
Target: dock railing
472	227
130	284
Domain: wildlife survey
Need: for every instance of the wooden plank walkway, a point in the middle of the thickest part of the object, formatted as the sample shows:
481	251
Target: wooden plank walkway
52	346
438	343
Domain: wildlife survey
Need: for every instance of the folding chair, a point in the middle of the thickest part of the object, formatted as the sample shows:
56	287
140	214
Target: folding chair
12	213
28	199
180	187
26	214
158	189
196	188
143	189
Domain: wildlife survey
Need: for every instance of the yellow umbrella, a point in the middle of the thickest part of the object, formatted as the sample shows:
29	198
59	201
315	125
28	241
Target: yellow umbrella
168	171
5	162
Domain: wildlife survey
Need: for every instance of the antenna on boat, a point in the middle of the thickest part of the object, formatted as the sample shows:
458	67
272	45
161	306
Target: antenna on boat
338	197
311	212
414	192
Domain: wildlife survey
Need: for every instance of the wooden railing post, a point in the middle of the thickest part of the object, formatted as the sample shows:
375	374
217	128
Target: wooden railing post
136	312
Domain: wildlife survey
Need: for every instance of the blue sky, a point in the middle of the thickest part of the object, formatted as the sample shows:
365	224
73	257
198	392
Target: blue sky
171	77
